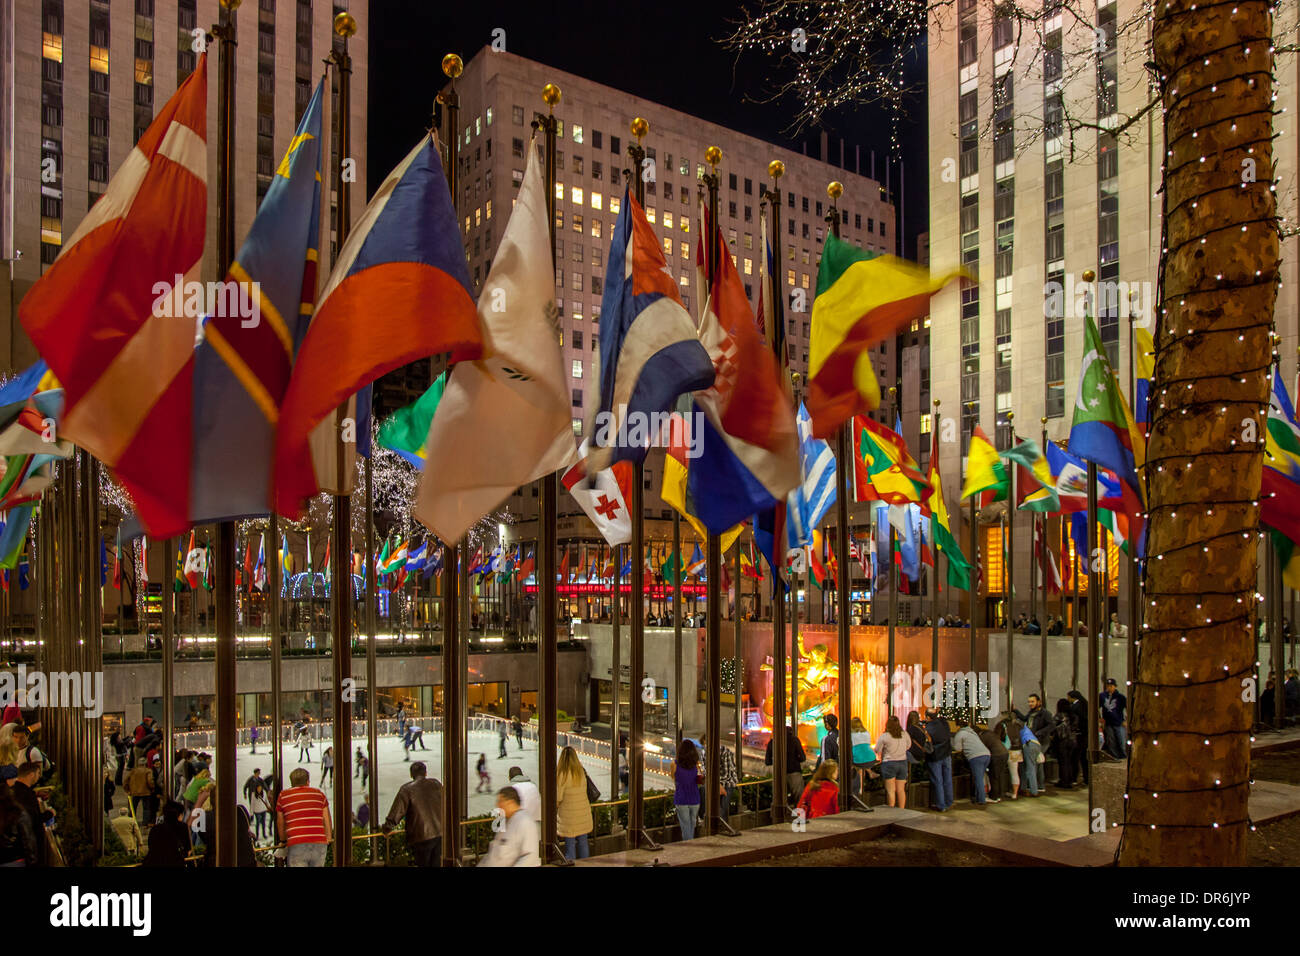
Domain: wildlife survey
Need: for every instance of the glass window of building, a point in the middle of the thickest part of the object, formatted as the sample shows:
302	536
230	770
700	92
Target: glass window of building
575	195
577	368
577	133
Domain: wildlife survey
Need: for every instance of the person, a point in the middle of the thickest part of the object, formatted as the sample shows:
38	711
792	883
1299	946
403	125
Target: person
1291	690
363	764
417	735
1113	704
821	798
357	760
1116	628
686	792
1038	726
794	758
259	804
302	816
24	794
1030	750
1063	738
128	831
518	727
920	740
362	817
140	786
1009	728
1055	626
503	733
169	841
997	770
1079	710
419	805
574	808
515	844
967	741
17	834
253	782
863	753
304	745
484	778
401	718
28	751
622	768
892	747
252	736
406	744
110	788
939	763
728	778
830	749
530	798
326	765
118	743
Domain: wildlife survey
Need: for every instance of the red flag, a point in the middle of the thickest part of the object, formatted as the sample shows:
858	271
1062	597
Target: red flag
103	315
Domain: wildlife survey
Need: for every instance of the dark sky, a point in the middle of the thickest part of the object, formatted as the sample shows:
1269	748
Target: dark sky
666	52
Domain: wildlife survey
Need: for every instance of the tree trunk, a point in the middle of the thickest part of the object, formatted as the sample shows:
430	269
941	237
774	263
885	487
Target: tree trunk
1192	704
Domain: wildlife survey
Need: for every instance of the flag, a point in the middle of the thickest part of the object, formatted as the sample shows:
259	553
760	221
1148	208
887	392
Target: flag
749	450
671	568
400	291
649	349
747	567
396	559
504	419
1144	369
940	527
435	563
604	497
286	561
13	535
1046	562
243	364
809	502
1035	486
697	563
883	469
259	569
328	572
194	563
103	561
771	324
528	565
675	489
407	429
984	470
117	564
563	570
181	581
98	315
248	563
1280	481
1103	430
861	299
416	558
816	568
209	566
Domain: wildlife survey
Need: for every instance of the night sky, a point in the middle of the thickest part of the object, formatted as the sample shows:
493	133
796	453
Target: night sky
666	52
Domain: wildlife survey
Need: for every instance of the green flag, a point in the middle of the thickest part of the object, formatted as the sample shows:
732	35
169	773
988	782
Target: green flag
406	430
1035	487
672	568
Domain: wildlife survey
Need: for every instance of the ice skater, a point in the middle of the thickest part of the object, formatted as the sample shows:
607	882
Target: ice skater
252	735
326	765
406	745
363	764
304	745
503	734
417	735
484	778
517	726
358	762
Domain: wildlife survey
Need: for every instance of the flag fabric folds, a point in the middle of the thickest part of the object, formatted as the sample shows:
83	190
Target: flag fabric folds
99	314
649	350
984	470
809	502
400	291
861	299
1103	430
940	526
676	490
242	365
505	418
407	429
1280	481
883	469
749	449
604	497
1035	487
1145	369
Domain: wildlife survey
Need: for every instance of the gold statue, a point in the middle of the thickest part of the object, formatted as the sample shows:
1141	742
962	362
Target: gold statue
815	669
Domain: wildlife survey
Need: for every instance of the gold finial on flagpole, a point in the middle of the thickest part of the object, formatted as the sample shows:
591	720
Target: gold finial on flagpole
713	156
345	24
640	127
776	169
835	189
1089	275
452	65
550	95
231	5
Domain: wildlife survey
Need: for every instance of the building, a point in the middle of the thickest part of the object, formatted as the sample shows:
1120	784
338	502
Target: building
500	93
1038	202
84	78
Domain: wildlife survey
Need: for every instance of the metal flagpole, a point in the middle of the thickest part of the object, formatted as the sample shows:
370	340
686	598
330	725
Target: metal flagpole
934	583
345	26
226	817
1093	551
1275	634
1009	570
1033	563
455	558
616	681
546	534
894	579
273	612
737	679
844	683
372	666
1103	622
677	626
637	835
713	557
93	634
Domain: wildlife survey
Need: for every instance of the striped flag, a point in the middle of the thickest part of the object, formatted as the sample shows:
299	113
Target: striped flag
809	502
96	315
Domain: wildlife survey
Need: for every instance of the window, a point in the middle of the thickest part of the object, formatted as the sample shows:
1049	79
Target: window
857	223
575	281
614	204
749	240
749	266
668	220
731	210
597	170
517	114
577	164
487	209
517	147
576	255
577	224
595	227
517	177
650	214
577	134
595	139
731	181
686	249
575	195
749	187
805	203
577	395
597	285
577	368
731	237
577	343
668	248
614	146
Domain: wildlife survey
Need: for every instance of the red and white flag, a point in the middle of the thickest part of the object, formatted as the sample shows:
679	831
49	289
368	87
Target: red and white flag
1047	564
124	363
605	499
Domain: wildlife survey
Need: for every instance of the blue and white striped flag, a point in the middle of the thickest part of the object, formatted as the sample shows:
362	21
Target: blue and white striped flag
813	497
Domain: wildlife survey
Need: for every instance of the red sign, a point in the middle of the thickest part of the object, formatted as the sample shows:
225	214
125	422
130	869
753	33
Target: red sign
651	590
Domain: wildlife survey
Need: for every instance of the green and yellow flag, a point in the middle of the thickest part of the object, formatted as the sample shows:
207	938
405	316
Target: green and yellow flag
940	529
984	470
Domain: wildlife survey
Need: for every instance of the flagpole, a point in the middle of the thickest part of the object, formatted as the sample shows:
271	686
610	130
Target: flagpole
1074	609
1042	625
713	557
934	584
975	619
546	539
226	817
454	566
1092	729
1134	583
345	26
844	684
273	586
616	683
1103	621
677	627
168	654
372	666
737	682
894	580
1009	570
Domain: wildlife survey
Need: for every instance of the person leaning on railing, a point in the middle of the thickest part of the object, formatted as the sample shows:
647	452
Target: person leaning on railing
419	805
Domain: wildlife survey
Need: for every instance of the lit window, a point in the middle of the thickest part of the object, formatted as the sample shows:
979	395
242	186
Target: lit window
489	116
686	249
685	168
99	59
577	315
650	213
731	237
597	200
668	248
487	209
789	277
52	47
467	223
577	426
144	72
478	125
577	224
577	134
575	195
577	368
478	216
804	280
749	266
559	134
685	223
614	203
559	191
595	228
51	230
699	171
925	424
668	220
684	281
749	240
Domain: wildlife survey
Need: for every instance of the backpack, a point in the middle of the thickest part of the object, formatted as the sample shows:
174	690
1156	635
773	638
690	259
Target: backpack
1063	731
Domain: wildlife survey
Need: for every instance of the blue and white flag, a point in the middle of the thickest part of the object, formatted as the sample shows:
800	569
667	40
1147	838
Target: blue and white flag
813	497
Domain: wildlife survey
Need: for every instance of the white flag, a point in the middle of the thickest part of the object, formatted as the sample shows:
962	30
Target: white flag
504	419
